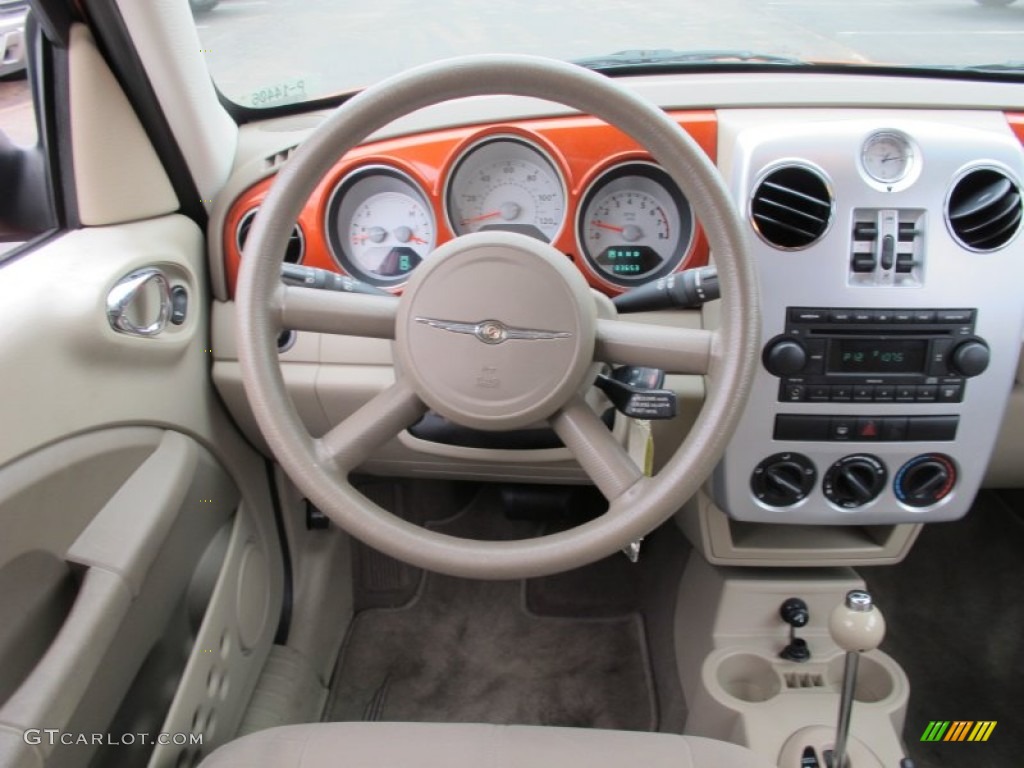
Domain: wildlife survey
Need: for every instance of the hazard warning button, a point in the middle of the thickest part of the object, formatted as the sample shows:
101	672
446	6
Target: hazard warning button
869	428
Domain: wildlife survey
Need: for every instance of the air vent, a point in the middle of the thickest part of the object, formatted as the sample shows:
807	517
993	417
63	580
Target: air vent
791	207
276	160
984	210
296	243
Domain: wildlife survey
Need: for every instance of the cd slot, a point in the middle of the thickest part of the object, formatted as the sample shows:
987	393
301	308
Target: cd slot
877	331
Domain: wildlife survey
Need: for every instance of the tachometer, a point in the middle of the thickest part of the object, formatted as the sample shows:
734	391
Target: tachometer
634	224
379	224
505	183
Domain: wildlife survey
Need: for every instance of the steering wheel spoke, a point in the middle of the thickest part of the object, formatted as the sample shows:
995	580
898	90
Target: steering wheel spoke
351	314
597	451
674	350
349	443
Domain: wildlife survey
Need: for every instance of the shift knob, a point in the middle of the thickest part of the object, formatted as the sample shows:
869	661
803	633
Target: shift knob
856	624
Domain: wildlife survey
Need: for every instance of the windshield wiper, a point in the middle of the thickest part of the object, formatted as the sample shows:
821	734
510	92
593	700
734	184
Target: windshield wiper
1002	66
634	60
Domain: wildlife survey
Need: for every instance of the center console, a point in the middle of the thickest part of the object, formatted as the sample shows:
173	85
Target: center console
892	314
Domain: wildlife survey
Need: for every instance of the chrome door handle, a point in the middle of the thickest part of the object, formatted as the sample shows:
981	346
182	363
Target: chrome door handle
140	303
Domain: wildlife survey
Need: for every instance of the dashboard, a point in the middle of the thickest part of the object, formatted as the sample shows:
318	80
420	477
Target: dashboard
574	182
885	233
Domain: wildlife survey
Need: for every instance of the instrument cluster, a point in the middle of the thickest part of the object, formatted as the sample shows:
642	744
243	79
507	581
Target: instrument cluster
576	183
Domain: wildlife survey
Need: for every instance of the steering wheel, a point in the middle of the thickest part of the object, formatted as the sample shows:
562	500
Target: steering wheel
496	331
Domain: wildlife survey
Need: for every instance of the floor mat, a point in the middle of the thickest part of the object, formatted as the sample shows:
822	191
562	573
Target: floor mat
955	615
467	651
471	651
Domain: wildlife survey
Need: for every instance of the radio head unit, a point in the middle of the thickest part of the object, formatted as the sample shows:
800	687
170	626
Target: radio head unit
875	355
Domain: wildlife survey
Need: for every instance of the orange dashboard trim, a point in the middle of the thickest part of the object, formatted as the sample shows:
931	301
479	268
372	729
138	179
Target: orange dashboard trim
1016	121
581	148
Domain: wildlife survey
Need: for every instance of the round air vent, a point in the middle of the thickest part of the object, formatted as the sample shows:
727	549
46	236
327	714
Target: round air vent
791	207
984	209
296	242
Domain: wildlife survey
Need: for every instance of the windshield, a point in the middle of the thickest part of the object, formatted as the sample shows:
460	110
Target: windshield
263	53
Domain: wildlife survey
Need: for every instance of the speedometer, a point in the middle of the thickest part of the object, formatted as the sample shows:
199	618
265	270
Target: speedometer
507	184
634	224
380	225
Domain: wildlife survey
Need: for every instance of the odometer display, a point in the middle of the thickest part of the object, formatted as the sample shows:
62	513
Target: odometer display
629	261
634	224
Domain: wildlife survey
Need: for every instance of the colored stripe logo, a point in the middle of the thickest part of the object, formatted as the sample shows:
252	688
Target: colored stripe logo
959	730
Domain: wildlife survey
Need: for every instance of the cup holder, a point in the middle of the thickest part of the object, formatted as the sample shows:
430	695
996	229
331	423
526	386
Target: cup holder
748	677
874	680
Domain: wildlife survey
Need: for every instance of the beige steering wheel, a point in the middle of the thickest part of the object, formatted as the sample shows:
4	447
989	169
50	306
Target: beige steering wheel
496	331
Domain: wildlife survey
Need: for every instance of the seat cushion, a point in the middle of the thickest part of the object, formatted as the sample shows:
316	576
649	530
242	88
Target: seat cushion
430	745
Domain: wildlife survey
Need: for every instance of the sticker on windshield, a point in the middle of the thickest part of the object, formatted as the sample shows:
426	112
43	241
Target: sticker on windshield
284	92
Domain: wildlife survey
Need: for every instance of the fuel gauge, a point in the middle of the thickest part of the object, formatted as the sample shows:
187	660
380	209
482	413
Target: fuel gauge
379	225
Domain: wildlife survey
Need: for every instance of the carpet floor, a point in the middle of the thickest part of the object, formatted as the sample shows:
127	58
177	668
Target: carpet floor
955	615
472	651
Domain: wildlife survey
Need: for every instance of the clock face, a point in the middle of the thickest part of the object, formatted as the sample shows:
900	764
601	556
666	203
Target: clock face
887	156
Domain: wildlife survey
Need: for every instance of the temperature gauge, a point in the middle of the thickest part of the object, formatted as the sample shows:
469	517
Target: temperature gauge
380	225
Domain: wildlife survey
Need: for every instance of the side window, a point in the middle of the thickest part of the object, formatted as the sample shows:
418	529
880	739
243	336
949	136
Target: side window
26	199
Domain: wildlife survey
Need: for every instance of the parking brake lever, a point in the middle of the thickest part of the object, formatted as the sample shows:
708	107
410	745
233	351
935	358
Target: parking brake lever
312	277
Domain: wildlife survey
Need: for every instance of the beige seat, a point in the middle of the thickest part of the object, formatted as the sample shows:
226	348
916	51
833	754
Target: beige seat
421	745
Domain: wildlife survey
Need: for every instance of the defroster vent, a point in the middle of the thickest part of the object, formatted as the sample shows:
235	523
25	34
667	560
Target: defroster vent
791	207
984	211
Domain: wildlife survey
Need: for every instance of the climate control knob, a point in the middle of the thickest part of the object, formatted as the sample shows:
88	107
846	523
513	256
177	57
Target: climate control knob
784	357
783	479
970	358
855	480
925	480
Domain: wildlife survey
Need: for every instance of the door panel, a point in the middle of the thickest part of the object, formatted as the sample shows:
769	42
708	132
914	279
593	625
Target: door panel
132	514
139	552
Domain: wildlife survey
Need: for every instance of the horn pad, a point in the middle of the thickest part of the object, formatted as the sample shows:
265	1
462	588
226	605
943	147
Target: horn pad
496	330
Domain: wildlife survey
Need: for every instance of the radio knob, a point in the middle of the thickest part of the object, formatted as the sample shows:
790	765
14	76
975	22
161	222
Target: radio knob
785	357
970	358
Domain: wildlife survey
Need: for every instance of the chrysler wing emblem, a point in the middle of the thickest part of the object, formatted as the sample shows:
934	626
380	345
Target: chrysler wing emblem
493	331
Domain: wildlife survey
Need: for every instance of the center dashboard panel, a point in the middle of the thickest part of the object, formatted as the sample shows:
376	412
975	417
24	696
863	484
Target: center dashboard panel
890	265
574	182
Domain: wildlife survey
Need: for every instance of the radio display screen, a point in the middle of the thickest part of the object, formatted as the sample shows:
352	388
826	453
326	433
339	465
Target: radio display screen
868	356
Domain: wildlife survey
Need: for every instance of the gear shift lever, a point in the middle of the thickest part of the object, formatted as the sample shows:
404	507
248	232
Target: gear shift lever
856	626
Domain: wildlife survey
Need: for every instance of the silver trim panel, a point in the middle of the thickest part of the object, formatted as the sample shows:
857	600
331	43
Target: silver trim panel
950	276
